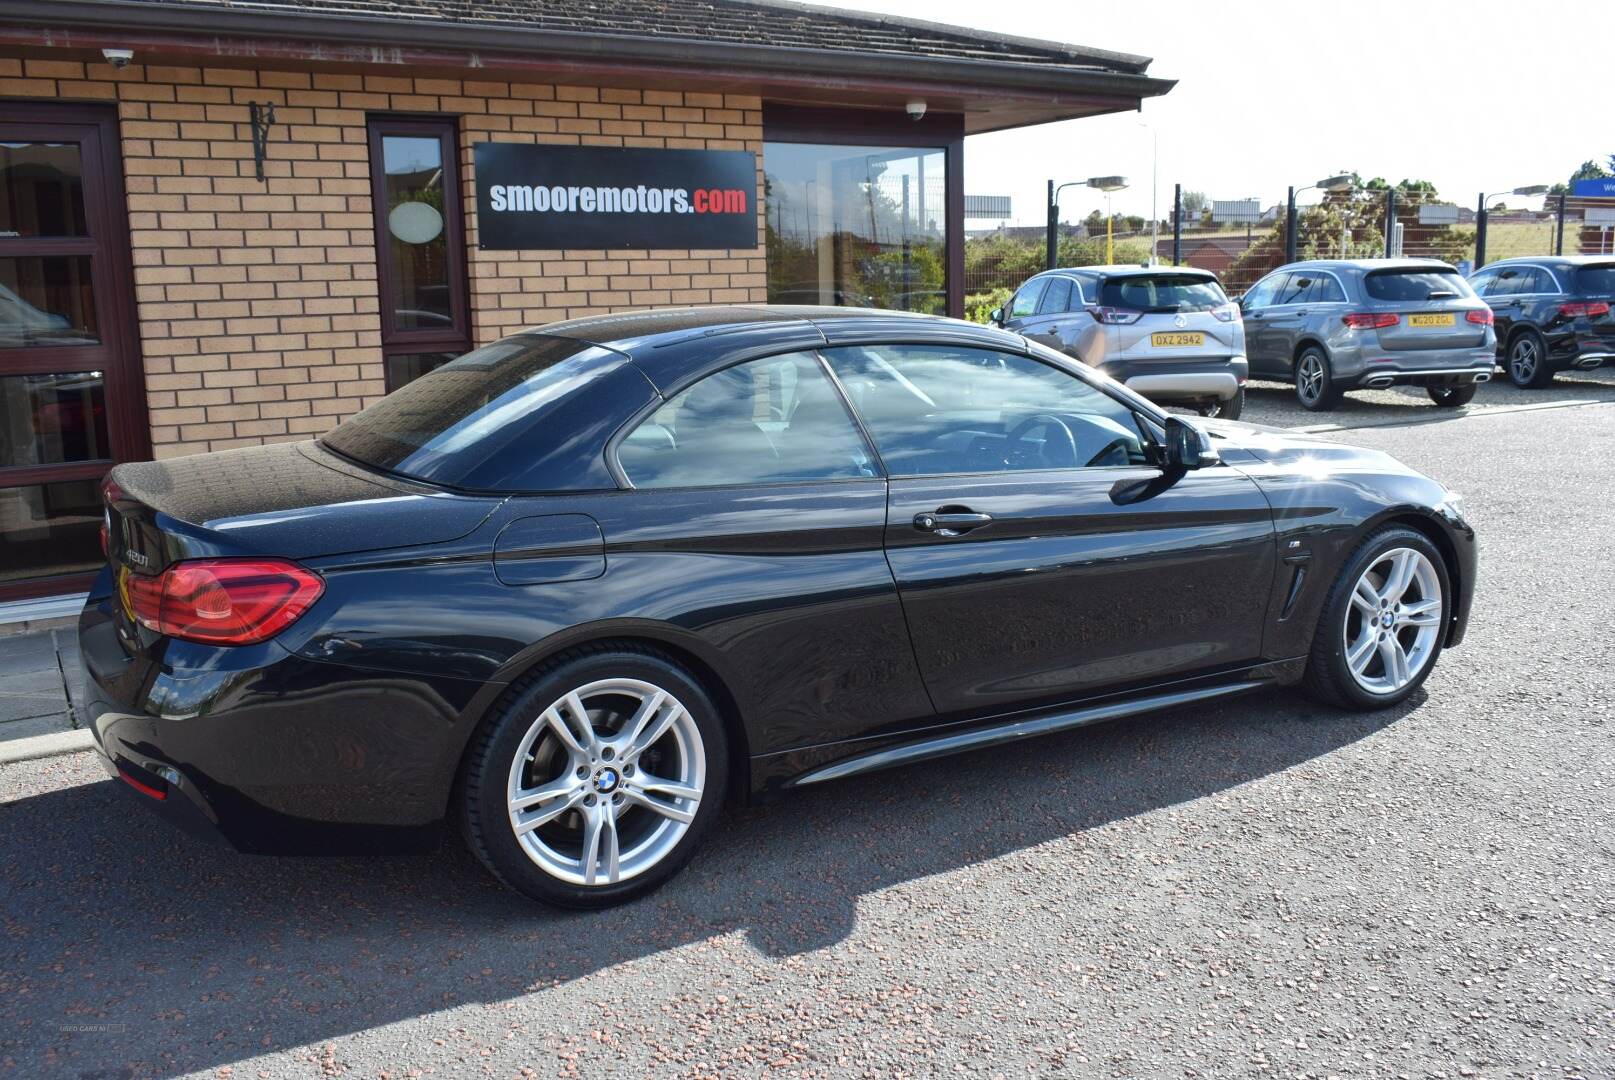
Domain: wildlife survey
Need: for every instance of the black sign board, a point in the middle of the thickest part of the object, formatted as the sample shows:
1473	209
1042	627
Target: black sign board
534	197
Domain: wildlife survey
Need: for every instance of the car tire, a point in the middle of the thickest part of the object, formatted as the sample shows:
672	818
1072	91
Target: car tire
1225	410
574	816
1452	397
1354	662
1315	385
1527	361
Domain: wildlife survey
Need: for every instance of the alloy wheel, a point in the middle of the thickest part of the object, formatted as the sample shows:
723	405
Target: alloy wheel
1309	378
606	782
1523	359
1394	621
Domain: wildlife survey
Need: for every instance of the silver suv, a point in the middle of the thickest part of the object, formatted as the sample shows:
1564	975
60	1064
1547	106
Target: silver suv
1168	332
1333	325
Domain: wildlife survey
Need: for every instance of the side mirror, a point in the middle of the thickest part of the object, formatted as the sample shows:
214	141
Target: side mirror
1239	301
1188	446
997	316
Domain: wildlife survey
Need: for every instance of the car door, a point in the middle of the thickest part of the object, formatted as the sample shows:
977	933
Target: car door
1022	307
1050	324
1040	556
756	522
1256	311
1503	297
1286	320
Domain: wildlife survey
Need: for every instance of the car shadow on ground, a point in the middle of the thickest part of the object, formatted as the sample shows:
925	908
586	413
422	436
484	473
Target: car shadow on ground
131	949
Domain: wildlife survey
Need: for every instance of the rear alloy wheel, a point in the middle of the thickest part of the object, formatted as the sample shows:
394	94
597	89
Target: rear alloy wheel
1452	397
598	781
1383	625
1225	410
1528	362
1314	382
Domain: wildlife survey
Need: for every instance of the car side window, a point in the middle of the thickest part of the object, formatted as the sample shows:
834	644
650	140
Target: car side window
942	410
1328	291
766	421
1056	298
1262	293
1082	291
1298	289
1510	282
1025	302
1538	281
1483	282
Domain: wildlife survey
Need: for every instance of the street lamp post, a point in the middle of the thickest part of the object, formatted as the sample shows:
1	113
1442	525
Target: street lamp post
1481	216
1328	183
1155	190
1107	184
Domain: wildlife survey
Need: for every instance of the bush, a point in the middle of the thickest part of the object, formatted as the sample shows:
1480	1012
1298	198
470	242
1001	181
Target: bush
979	306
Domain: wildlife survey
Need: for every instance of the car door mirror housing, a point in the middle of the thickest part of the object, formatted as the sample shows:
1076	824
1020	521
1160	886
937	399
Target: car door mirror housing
997	316
1188	446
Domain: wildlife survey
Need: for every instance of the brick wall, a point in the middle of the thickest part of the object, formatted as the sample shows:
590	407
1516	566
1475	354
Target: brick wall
257	301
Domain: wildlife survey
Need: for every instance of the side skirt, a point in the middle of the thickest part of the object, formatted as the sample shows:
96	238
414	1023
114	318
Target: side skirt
1048	723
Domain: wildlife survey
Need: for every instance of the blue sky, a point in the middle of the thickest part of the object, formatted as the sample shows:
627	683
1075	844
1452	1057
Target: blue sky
1471	96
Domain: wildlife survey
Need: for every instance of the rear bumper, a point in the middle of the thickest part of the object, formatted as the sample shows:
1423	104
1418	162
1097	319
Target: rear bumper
1434	368
272	752
1171	381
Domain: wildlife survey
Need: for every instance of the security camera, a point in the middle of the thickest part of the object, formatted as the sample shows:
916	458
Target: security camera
118	58
916	109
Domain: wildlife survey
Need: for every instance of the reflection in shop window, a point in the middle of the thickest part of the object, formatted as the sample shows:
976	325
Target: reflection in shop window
53	419
419	248
856	226
46	300
50	529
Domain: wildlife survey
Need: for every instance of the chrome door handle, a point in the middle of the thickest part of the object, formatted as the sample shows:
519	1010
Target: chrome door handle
951	522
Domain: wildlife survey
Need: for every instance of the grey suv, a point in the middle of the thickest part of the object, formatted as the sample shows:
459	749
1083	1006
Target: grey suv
1168	332
1333	325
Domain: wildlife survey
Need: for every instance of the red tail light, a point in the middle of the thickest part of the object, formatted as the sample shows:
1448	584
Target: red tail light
1482	317
1226	313
1114	316
223	601
1369	320
1579	308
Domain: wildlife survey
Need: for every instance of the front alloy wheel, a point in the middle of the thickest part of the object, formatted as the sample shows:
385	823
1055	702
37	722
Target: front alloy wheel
1383	622
596	783
1393	621
1528	363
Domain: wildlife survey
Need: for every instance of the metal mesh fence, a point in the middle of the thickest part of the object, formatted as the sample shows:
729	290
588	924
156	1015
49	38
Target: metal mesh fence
1243	240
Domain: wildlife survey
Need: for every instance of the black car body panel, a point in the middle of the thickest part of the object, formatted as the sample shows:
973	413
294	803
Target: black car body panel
1530	294
833	633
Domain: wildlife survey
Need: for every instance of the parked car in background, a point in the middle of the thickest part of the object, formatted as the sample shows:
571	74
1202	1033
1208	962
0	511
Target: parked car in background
1334	325
575	590
1552	314
1169	333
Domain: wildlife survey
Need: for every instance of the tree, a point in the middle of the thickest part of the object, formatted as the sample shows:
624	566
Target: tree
1193	203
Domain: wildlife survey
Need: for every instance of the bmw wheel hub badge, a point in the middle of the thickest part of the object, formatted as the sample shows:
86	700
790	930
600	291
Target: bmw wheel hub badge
605	781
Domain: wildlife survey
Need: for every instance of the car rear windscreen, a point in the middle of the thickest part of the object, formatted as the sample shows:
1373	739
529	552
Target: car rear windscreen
443	425
1156	293
1415	284
1598	280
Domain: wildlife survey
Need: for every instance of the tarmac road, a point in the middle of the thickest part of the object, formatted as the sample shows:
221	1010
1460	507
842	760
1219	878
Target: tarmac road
1263	888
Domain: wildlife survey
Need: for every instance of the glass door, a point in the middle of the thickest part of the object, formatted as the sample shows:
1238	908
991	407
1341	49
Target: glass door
70	388
420	244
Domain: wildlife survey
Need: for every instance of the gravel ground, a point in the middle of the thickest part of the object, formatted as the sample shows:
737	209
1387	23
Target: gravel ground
1265	888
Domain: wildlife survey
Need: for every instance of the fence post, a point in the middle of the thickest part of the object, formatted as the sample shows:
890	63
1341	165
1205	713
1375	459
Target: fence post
1480	231
1559	237
1289	228
1177	224
1390	218
1052	241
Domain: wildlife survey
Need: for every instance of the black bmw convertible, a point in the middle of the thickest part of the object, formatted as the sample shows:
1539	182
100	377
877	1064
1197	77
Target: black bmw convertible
577	590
